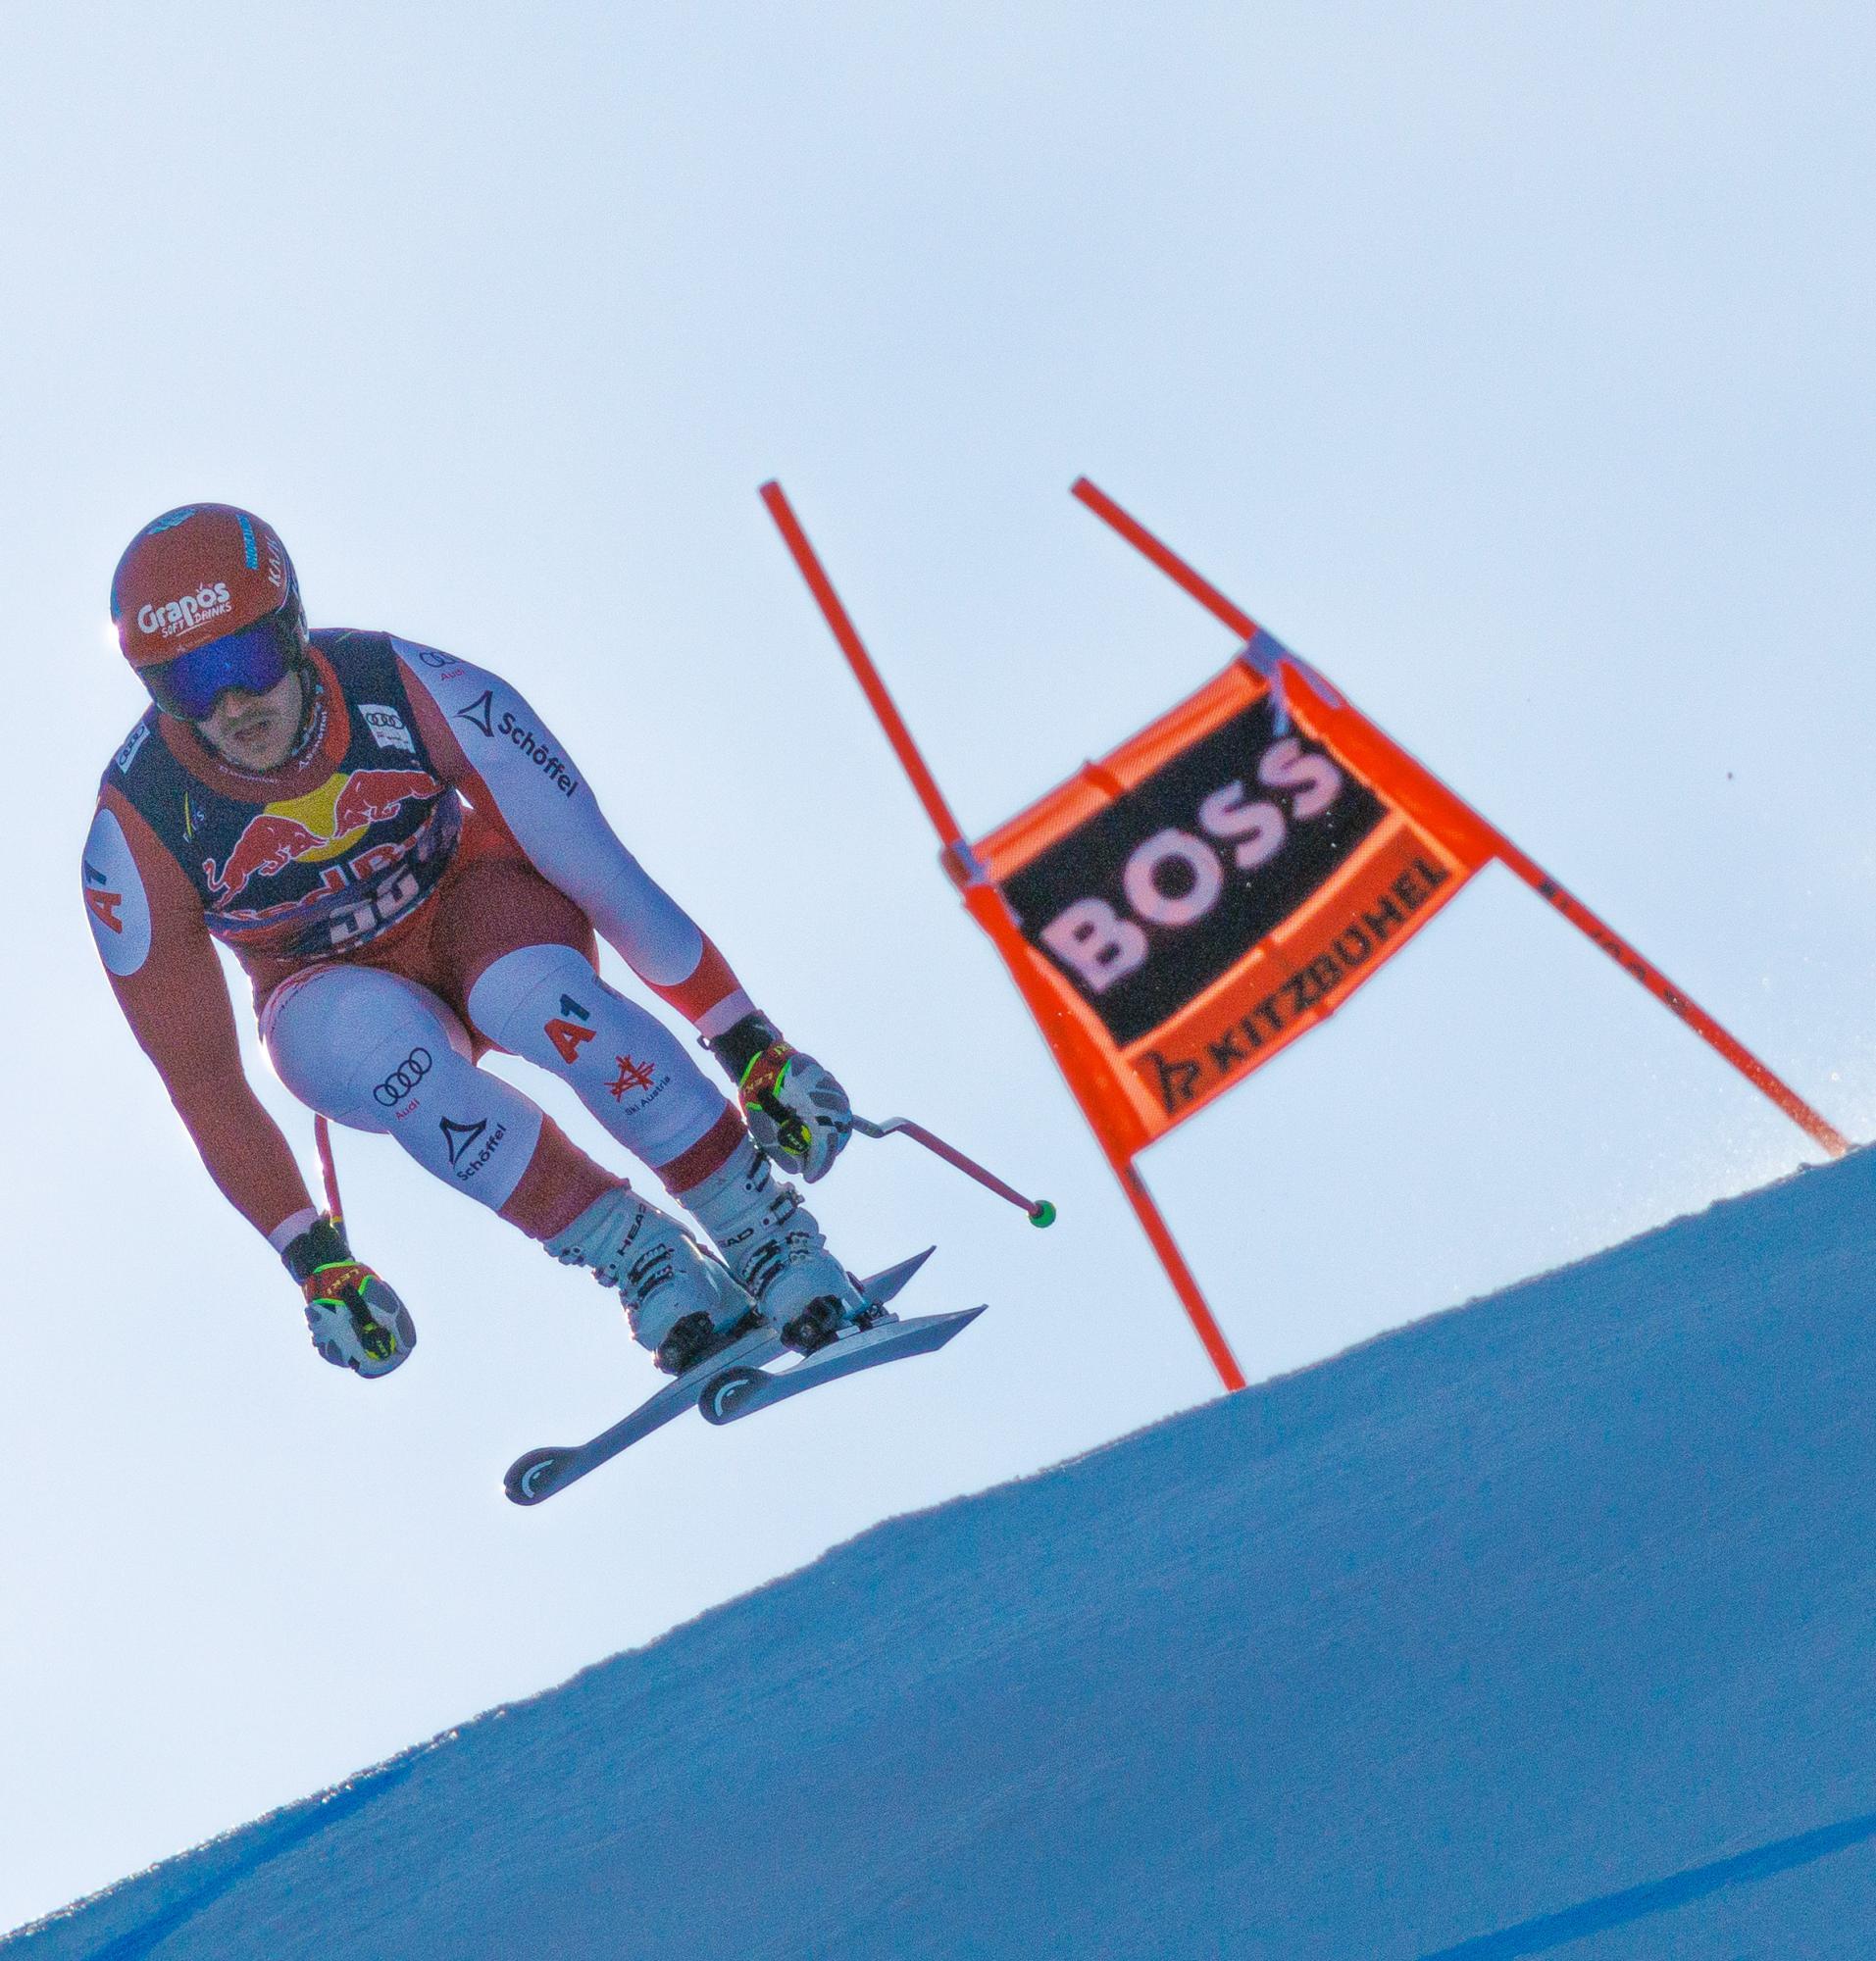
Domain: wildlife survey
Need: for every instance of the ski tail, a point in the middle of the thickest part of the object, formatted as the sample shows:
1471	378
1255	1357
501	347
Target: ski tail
888	1284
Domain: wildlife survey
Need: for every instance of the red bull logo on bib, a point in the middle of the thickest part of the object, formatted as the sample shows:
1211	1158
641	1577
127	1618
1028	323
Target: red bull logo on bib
323	824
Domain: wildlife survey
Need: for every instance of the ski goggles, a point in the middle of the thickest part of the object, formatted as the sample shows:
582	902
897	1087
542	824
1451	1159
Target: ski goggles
252	659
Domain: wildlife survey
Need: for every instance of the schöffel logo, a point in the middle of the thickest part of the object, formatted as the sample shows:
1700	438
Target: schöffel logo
460	1140
541	755
403	1080
178	616
481	714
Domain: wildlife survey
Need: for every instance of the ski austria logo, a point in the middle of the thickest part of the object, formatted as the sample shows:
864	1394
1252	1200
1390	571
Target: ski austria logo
178	616
404	1078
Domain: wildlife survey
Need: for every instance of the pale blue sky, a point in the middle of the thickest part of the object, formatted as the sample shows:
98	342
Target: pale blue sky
1512	363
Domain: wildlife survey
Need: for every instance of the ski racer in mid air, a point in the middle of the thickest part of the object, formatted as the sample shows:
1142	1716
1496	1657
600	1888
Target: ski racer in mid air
411	868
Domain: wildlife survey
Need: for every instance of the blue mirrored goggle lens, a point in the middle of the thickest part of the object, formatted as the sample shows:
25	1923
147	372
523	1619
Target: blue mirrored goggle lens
253	659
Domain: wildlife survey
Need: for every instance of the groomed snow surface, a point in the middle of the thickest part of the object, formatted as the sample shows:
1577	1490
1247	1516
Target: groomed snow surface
1543	1626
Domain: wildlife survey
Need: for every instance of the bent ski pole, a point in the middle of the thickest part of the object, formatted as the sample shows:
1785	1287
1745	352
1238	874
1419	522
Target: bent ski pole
1039	1210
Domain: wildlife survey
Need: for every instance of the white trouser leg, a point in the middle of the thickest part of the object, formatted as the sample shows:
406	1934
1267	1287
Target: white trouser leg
546	1003
378	1052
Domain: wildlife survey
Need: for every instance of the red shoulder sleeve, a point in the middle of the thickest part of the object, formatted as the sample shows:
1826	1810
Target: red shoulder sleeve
147	920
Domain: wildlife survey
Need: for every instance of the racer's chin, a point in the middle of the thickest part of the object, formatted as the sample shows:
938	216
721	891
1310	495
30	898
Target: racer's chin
258	742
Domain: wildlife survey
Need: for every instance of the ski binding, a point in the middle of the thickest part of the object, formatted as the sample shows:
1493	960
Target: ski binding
735	1382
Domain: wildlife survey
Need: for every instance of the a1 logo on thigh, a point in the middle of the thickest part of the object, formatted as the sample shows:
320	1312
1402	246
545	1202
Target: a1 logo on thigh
565	1031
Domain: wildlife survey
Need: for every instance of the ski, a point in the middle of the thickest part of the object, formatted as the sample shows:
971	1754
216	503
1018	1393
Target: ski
740	1389
537	1475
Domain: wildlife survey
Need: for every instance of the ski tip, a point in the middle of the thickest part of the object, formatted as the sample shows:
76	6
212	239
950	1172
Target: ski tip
946	1327
878	1288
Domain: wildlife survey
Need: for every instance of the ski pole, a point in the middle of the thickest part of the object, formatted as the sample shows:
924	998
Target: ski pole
329	1170
1040	1211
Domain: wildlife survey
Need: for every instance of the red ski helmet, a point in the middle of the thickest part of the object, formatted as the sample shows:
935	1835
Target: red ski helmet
203	599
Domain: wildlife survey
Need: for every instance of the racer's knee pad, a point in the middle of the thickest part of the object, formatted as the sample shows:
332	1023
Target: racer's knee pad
548	1005
378	1052
354	1042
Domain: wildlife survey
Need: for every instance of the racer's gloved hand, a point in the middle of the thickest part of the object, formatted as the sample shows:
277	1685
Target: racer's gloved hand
796	1112
357	1322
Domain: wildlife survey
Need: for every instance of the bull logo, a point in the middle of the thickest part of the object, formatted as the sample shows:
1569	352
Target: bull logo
321	824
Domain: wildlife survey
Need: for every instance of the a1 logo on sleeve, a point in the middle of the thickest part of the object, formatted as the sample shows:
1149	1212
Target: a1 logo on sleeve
114	900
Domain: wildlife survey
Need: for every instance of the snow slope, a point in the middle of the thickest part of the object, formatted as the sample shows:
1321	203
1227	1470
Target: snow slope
1545	1625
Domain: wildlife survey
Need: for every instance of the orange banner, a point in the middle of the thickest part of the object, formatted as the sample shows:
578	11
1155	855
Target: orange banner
1216	885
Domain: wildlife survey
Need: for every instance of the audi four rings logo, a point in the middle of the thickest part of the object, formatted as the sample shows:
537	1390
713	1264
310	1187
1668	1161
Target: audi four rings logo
404	1078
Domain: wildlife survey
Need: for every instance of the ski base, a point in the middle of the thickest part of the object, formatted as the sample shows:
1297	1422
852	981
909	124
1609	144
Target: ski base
537	1475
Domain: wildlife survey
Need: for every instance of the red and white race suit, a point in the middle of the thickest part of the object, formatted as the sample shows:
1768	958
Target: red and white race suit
418	884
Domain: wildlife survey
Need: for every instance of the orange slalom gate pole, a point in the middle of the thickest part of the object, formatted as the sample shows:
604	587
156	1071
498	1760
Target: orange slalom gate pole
1526	868
1184	1285
864	672
987	906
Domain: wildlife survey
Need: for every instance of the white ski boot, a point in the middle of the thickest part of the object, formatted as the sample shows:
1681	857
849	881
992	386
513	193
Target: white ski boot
776	1250
679	1302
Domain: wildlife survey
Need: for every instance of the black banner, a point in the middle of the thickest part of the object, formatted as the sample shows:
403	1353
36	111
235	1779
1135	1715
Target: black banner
1147	903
